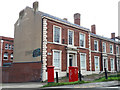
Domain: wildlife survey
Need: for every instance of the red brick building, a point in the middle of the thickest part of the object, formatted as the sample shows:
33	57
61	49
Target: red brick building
6	51
104	52
43	40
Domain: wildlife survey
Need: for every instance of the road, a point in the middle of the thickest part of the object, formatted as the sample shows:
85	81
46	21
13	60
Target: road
38	85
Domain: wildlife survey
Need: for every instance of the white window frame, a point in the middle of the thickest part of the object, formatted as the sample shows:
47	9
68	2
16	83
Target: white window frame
60	58
4	55
112	69
60	34
7	46
84	40
117	52
112	49
98	63
85	62
105	46
97	46
72	38
11	55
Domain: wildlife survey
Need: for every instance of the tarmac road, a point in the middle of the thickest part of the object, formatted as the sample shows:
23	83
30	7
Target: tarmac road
38	85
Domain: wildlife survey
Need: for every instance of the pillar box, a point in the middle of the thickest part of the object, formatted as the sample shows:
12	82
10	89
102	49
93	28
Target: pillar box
50	70
73	74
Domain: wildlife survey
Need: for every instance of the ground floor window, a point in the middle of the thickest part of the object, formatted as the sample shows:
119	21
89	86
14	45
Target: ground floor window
5	56
56	58
112	63
82	60
96	61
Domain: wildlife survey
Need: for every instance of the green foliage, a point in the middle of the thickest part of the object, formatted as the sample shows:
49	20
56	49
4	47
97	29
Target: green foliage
64	83
110	78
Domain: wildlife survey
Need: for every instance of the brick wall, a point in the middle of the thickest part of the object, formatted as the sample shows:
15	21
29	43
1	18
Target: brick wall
22	72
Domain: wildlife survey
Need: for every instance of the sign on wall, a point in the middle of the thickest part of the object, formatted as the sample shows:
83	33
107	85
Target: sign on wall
36	52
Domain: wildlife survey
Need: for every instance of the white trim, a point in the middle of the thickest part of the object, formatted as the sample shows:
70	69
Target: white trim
72	38
75	57
97	46
44	77
84	40
105	47
112	49
113	64
85	62
60	34
98	63
60	58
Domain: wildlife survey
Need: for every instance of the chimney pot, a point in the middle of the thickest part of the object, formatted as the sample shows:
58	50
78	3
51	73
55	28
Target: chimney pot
77	18
93	29
113	36
35	6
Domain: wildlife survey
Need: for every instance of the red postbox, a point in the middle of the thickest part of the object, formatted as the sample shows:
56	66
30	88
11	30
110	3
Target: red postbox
50	70
73	74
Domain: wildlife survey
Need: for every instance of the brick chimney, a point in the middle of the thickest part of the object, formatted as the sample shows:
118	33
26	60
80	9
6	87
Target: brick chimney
113	36
77	18
35	6
93	29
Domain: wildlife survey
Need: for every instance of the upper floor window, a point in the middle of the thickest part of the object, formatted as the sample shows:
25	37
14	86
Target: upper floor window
6	46
10	46
111	48
70	37
117	49
57	34
82	40
5	56
104	47
95	45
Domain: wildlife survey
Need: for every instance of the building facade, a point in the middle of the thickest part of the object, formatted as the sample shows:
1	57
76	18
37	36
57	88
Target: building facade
6	51
51	41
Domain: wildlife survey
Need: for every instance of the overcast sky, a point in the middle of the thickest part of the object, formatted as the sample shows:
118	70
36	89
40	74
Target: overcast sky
102	13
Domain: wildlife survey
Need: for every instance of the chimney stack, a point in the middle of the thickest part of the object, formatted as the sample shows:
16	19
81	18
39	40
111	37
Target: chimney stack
77	18
65	19
113	36
35	6
93	29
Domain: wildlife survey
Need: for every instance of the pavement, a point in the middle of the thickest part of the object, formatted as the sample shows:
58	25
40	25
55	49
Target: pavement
38	85
23	85
108	84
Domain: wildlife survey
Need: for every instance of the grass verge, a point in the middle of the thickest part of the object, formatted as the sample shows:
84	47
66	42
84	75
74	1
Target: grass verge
110	78
64	83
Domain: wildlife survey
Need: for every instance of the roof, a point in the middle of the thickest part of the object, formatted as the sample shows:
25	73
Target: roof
64	21
105	38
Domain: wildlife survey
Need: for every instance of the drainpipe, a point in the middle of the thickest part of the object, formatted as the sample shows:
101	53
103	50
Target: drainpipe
1	53
115	57
101	55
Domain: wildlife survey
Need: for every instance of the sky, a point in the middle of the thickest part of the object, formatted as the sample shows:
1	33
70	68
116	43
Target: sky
102	13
